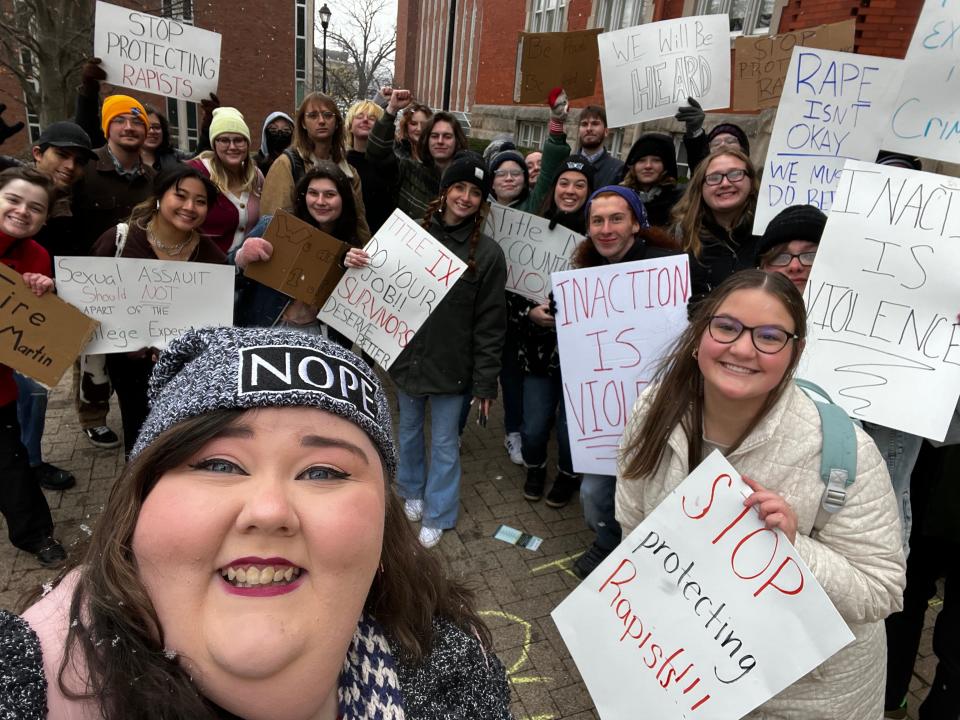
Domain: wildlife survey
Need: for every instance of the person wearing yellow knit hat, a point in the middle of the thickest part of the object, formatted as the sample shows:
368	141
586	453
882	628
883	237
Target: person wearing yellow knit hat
115	106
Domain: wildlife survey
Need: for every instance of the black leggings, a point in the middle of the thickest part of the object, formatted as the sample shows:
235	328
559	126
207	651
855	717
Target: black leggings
130	374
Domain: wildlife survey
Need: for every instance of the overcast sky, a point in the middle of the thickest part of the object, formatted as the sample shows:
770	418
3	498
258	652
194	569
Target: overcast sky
387	18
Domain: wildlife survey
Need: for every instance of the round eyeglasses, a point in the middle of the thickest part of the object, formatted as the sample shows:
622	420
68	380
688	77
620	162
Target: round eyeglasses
768	339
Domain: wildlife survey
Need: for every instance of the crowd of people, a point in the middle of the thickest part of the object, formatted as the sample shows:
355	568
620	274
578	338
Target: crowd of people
230	493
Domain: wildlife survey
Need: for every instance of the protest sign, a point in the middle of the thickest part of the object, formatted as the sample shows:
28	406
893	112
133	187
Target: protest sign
760	61
156	54
40	337
926	115
701	612
882	299
531	248
145	303
305	263
614	322
382	306
649	70
833	107
549	60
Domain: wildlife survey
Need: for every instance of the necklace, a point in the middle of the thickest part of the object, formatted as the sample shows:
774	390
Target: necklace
171	250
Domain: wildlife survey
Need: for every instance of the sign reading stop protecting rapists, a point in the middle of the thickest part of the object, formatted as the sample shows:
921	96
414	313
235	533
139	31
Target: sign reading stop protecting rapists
382	306
145	303
701	612
614	324
156	54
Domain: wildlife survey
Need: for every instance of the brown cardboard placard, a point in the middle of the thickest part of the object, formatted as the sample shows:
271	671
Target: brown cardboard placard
305	263
760	62
548	60
40	337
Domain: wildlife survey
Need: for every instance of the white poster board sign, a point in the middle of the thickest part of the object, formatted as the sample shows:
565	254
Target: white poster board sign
701	612
381	306
650	70
614	324
533	251
882	301
156	54
145	303
926	115
834	106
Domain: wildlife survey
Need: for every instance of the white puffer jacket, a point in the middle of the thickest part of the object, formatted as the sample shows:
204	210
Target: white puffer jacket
857	557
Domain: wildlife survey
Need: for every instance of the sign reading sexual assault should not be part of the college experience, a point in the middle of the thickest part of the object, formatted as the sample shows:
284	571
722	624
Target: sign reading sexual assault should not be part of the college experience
701	612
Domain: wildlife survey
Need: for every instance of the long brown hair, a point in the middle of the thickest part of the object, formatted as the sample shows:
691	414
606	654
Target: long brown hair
678	394
302	142
479	217
687	215
459	138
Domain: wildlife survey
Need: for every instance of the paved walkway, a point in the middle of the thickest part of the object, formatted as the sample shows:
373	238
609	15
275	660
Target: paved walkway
516	588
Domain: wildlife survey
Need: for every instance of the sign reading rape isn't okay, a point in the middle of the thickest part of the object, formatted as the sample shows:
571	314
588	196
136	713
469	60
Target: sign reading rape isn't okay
701	612
382	306
40	337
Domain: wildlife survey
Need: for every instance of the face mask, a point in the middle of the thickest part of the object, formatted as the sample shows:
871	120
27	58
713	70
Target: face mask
277	141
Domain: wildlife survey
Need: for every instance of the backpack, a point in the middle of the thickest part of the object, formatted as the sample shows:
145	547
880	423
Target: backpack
838	459
297	167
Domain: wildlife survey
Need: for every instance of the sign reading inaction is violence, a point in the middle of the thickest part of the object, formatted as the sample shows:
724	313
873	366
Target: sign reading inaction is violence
156	54
614	324
40	337
649	70
883	338
549	60
533	251
701	612
145	303
834	107
382	306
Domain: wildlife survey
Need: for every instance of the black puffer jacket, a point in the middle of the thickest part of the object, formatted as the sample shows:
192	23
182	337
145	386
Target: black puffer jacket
722	253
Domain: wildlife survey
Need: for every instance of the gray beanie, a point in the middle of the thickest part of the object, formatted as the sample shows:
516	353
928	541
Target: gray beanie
244	368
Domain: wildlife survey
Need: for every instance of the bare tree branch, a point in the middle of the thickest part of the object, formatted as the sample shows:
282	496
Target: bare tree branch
367	51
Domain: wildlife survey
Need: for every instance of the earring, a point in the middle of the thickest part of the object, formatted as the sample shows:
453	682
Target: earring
694	353
158	203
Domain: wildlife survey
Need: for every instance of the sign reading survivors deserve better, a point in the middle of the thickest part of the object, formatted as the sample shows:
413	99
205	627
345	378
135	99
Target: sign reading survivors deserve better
40	337
145	303
382	306
156	54
649	70
701	612
614	324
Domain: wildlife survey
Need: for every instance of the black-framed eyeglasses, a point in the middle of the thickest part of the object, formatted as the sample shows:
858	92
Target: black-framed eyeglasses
783	259
768	339
732	175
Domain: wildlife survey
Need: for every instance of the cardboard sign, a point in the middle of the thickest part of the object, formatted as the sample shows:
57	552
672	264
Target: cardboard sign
40	337
382	306
614	323
760	61
883	338
533	251
650	70
549	60
701	612
833	108
156	54
305	263
145	303
926	115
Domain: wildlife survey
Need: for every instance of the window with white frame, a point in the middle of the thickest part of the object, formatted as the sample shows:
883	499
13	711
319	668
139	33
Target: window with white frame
192	126
618	14
747	17
547	15
614	142
530	134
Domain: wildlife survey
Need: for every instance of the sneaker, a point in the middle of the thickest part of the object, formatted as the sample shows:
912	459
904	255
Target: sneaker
430	537
51	553
511	442
533	487
588	562
565	486
102	437
51	477
413	509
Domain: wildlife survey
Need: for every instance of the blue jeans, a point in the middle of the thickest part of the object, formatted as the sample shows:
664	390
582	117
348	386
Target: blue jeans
899	451
32	415
511	385
541	405
439	485
597	498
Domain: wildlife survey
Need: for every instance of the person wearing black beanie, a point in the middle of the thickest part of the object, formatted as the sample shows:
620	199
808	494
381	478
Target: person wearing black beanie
510	177
790	242
652	173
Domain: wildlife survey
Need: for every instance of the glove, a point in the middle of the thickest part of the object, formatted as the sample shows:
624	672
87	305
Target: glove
692	116
91	75
207	106
8	131
558	109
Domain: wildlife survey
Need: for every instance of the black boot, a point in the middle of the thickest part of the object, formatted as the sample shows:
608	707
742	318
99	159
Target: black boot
564	487
536	479
588	562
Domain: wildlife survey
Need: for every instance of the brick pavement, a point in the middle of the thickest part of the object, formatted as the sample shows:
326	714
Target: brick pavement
516	588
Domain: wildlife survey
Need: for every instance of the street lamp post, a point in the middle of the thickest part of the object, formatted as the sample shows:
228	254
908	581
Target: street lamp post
324	22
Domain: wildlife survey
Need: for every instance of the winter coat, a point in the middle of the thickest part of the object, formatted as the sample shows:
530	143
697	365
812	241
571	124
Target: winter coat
722	253
659	202
379	189
609	170
856	557
231	216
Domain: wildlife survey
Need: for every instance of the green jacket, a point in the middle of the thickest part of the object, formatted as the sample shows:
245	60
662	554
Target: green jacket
555	151
417	184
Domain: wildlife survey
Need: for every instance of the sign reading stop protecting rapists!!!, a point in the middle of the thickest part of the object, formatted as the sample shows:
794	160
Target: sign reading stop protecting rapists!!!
145	303
382	306
533	250
649	70
614	324
156	54
701	612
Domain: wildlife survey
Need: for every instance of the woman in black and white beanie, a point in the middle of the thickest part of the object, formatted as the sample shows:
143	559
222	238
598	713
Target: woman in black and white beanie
252	561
